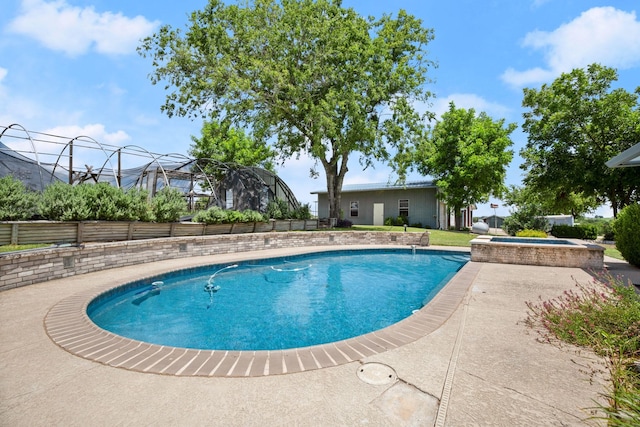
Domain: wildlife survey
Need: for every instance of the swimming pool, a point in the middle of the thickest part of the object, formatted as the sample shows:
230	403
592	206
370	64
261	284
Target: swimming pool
278	303
532	240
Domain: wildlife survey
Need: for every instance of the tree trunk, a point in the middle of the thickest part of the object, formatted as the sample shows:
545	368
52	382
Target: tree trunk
614	202
335	178
458	217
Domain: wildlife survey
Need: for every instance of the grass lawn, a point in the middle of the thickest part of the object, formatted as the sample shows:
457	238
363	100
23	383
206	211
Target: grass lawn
437	238
11	248
610	250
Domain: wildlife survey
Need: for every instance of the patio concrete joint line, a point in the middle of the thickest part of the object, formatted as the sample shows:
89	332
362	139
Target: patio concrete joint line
451	370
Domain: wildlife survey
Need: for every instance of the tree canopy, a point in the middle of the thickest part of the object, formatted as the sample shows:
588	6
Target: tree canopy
467	154
310	77
550	201
574	126
232	146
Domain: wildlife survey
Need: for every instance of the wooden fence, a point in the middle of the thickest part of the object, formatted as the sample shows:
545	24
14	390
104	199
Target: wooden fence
35	232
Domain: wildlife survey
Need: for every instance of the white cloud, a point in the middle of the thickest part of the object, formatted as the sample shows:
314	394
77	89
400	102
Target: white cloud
95	131
538	3
468	101
522	78
51	144
602	34
3	91
14	108
74	30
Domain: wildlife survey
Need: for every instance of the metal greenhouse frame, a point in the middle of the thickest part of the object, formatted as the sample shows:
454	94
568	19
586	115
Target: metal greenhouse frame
205	182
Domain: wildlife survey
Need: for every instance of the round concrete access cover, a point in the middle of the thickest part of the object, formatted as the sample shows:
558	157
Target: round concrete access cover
376	373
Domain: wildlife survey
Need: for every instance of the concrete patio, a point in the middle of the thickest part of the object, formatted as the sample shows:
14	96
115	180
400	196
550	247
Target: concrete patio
481	367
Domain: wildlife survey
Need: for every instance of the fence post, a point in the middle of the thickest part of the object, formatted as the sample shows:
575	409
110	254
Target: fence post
79	232
14	234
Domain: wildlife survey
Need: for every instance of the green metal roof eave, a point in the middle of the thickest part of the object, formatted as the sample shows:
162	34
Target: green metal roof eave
627	159
358	188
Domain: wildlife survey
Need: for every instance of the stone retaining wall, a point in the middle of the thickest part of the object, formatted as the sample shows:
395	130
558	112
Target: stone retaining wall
39	265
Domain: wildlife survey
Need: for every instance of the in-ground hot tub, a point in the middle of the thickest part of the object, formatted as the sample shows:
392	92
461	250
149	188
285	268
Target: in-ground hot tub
536	251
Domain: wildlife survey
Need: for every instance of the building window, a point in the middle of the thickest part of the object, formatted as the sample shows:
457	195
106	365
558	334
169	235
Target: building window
353	209
403	207
229	199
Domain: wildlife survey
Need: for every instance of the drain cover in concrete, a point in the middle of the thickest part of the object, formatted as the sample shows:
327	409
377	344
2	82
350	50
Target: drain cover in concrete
376	373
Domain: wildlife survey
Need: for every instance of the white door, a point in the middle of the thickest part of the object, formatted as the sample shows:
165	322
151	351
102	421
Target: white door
378	214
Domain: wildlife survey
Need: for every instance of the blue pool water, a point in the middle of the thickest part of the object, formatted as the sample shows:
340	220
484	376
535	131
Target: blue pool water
277	303
531	240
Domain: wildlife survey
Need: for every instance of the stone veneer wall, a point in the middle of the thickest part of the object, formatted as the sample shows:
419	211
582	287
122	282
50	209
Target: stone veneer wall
29	267
585	256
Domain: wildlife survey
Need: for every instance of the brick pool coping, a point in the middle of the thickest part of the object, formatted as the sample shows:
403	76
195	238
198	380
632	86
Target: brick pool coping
68	325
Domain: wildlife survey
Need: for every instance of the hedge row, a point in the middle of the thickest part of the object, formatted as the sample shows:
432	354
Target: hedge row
87	202
585	232
103	202
627	232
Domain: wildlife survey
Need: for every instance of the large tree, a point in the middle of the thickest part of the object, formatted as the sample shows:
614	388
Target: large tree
220	142
308	76
574	126
467	154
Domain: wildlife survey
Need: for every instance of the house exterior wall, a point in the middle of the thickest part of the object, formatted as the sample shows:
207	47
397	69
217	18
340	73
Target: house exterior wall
493	221
559	220
423	205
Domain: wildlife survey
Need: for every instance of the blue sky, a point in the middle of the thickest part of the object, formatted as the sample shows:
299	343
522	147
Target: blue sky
70	67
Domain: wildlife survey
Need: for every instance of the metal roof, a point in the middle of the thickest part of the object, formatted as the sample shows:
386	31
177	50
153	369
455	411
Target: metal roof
354	188
628	158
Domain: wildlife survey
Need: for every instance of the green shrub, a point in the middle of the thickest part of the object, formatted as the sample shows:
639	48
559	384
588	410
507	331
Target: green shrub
566	231
531	233
603	226
278	209
527	217
168	204
105	202
606	230
605	319
94	202
16	201
627	231
587	232
232	217
213	215
217	215
97	202
344	223
253	216
590	232
303	212
397	221
64	202
138	201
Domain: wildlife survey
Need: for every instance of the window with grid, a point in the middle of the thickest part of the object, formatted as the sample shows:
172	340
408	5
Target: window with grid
403	207
229	199
353	209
